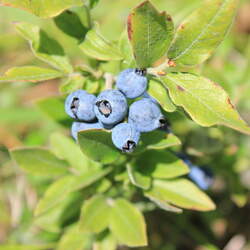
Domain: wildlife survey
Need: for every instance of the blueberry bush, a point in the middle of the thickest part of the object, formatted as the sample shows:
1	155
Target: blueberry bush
114	158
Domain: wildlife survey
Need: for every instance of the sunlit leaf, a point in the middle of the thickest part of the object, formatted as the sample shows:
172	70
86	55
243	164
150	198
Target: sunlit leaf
43	8
30	74
45	47
199	35
205	101
127	224
39	161
94	215
182	193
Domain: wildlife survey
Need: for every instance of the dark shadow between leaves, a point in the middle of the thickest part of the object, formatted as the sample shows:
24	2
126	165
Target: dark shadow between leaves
48	45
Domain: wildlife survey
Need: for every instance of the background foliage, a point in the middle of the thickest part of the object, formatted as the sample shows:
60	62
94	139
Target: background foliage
30	117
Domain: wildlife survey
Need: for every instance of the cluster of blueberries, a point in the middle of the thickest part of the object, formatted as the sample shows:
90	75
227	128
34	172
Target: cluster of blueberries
110	110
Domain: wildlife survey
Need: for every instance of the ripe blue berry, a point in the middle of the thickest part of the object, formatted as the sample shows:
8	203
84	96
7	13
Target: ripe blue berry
110	107
125	137
79	126
80	105
132	82
202	177
145	115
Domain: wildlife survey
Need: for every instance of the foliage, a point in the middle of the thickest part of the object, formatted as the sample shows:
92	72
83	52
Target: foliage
91	196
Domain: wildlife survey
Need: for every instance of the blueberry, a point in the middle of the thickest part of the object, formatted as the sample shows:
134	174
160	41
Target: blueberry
125	137
202	177
132	82
80	105
111	107
79	126
146	116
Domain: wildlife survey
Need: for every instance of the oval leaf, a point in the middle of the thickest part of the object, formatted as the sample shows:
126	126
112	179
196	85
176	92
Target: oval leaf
150	34
45	47
160	164
163	204
42	8
160	94
137	179
77	18
96	46
39	161
199	35
98	146
181	193
74	239
68	150
127	224
158	140
205	101
59	190
94	215
30	74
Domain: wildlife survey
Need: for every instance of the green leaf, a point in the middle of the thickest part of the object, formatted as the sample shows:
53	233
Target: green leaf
138	179
74	82
126	51
94	214
98	146
68	150
159	140
107	242
160	164
59	216
74	239
160	94
199	35
163	204
30	74
182	193
150	34
22	247
127	224
76	17
53	107
45	47
39	161
96	46
205	101
64	186
42	8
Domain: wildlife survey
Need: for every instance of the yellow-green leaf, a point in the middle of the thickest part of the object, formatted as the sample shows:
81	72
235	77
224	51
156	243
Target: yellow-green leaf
94	214
30	74
96	46
127	224
59	190
39	161
182	193
98	146
199	35
160	94
43	8
45	47
205	101
160	164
